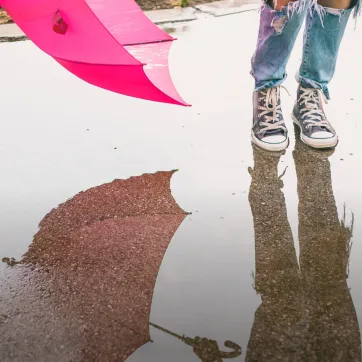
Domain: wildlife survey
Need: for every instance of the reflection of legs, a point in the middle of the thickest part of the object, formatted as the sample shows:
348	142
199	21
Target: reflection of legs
331	327
277	278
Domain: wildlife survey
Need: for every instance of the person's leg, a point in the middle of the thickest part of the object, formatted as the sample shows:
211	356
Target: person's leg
278	30
325	26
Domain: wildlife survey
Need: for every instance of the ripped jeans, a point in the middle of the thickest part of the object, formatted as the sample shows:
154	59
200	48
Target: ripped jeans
278	31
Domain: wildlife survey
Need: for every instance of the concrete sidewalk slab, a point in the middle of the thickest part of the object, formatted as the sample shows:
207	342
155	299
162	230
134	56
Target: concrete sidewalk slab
176	15
11	32
228	7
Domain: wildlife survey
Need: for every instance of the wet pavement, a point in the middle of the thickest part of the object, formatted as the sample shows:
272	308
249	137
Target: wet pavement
99	224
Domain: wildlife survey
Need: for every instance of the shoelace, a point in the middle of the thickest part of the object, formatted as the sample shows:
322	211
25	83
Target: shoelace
311	113
271	98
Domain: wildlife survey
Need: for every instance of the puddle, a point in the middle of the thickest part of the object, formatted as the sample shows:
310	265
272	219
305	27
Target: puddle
269	259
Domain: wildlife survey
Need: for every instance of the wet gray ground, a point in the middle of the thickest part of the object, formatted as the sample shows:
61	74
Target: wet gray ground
268	268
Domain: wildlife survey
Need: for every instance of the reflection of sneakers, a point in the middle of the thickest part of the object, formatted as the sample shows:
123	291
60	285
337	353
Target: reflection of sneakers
306	153
265	195
308	114
265	172
269	131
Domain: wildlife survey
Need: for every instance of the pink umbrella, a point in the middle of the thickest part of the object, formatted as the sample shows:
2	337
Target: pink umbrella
111	44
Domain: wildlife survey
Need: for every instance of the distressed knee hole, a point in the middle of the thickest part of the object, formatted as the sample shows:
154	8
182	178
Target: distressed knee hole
278	23
283	15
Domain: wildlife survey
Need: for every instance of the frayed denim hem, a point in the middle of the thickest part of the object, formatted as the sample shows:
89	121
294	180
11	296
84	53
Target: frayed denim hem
357	9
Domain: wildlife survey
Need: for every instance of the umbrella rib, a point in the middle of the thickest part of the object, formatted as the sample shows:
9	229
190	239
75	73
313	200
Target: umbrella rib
150	42
104	27
107	64
130	328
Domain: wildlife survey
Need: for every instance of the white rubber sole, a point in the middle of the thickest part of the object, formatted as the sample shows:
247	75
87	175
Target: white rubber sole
316	142
273	147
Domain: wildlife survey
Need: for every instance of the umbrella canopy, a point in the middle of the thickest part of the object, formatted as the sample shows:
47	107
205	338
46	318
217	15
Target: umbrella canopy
111	44
96	259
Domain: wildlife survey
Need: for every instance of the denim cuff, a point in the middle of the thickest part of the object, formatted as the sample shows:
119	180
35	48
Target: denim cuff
309	83
269	83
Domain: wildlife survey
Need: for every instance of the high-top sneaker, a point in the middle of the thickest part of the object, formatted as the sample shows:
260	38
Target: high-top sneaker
269	131
308	114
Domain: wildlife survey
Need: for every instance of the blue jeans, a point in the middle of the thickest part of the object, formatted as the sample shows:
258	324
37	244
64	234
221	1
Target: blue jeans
278	31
